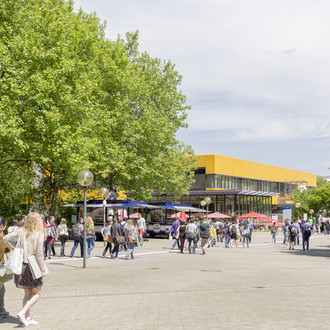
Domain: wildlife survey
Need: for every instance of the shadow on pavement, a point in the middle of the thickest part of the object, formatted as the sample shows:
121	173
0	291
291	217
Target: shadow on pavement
10	320
323	253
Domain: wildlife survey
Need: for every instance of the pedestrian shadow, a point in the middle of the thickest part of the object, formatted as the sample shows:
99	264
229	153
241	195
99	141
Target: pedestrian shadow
317	253
10	320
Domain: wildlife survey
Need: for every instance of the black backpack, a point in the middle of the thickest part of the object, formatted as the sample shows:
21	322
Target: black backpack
307	232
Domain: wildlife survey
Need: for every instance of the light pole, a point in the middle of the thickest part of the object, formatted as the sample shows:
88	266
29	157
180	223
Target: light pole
297	207
203	204
85	178
311	213
207	201
104	192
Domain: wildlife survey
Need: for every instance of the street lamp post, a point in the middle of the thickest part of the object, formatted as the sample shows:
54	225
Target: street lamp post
104	192
203	204
207	201
297	207
85	178
311	213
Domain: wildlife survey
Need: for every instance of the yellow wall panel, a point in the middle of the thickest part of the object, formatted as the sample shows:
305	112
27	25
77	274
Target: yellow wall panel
217	164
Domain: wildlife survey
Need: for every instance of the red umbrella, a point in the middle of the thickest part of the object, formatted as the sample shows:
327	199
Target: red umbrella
134	215
199	214
217	215
176	215
252	215
264	219
279	224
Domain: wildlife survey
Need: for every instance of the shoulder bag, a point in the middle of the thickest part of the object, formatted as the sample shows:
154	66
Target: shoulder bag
15	262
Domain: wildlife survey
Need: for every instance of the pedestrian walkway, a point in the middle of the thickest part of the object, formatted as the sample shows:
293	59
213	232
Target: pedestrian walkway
263	287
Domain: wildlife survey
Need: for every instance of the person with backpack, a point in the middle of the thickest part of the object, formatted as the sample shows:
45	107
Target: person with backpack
233	234
292	235
226	234
204	231
77	233
50	237
55	238
191	233
306	234
90	235
245	234
62	233
297	225
251	227
273	231
182	235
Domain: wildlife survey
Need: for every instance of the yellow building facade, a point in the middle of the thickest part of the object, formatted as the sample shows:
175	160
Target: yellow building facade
238	186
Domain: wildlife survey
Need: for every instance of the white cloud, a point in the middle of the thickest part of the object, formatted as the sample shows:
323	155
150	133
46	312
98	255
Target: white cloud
253	70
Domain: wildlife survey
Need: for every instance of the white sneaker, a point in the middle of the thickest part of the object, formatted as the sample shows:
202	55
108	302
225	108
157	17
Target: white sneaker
32	322
22	319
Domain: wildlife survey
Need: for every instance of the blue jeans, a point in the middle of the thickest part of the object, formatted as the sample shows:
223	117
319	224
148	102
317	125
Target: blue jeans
305	241
78	240
90	244
195	244
176	241
245	239
130	249
115	250
274	237
227	240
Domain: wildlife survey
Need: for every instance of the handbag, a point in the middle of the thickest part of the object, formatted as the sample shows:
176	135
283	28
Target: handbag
15	262
35	267
107	238
132	239
3	276
120	240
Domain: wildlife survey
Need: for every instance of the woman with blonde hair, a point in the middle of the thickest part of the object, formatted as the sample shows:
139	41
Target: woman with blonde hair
30	239
62	233
90	235
130	232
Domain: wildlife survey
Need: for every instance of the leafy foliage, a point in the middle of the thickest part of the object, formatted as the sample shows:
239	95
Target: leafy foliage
71	100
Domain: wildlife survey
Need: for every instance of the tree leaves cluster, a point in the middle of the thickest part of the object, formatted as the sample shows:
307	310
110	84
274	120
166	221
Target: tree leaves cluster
70	99
317	199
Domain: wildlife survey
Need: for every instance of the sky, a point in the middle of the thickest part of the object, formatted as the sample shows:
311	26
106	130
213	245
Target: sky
255	72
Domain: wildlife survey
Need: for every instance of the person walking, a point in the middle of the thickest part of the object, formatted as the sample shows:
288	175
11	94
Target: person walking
174	231
226	234
131	233
30	239
285	232
251	227
182	235
115	232
273	231
13	226
50	237
204	231
106	234
63	235
4	248
297	225
245	234
306	234
77	232
141	226
191	233
213	235
90	235
292	234
233	235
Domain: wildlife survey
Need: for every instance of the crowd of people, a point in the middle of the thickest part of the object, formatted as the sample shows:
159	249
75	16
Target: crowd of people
210	232
37	236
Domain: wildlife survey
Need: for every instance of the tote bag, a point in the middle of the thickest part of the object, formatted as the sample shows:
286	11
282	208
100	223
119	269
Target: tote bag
14	264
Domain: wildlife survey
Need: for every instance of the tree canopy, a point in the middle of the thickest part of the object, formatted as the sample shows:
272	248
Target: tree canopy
70	99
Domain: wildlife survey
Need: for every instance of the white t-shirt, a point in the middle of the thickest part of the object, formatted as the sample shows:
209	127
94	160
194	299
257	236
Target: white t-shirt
141	223
191	227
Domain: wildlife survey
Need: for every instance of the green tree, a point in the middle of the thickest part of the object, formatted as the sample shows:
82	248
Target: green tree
71	99
138	151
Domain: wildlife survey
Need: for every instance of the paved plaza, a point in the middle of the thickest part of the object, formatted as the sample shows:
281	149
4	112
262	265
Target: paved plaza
264	287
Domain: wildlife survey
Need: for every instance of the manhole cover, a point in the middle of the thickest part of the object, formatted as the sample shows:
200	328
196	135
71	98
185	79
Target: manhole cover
211	270
260	287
